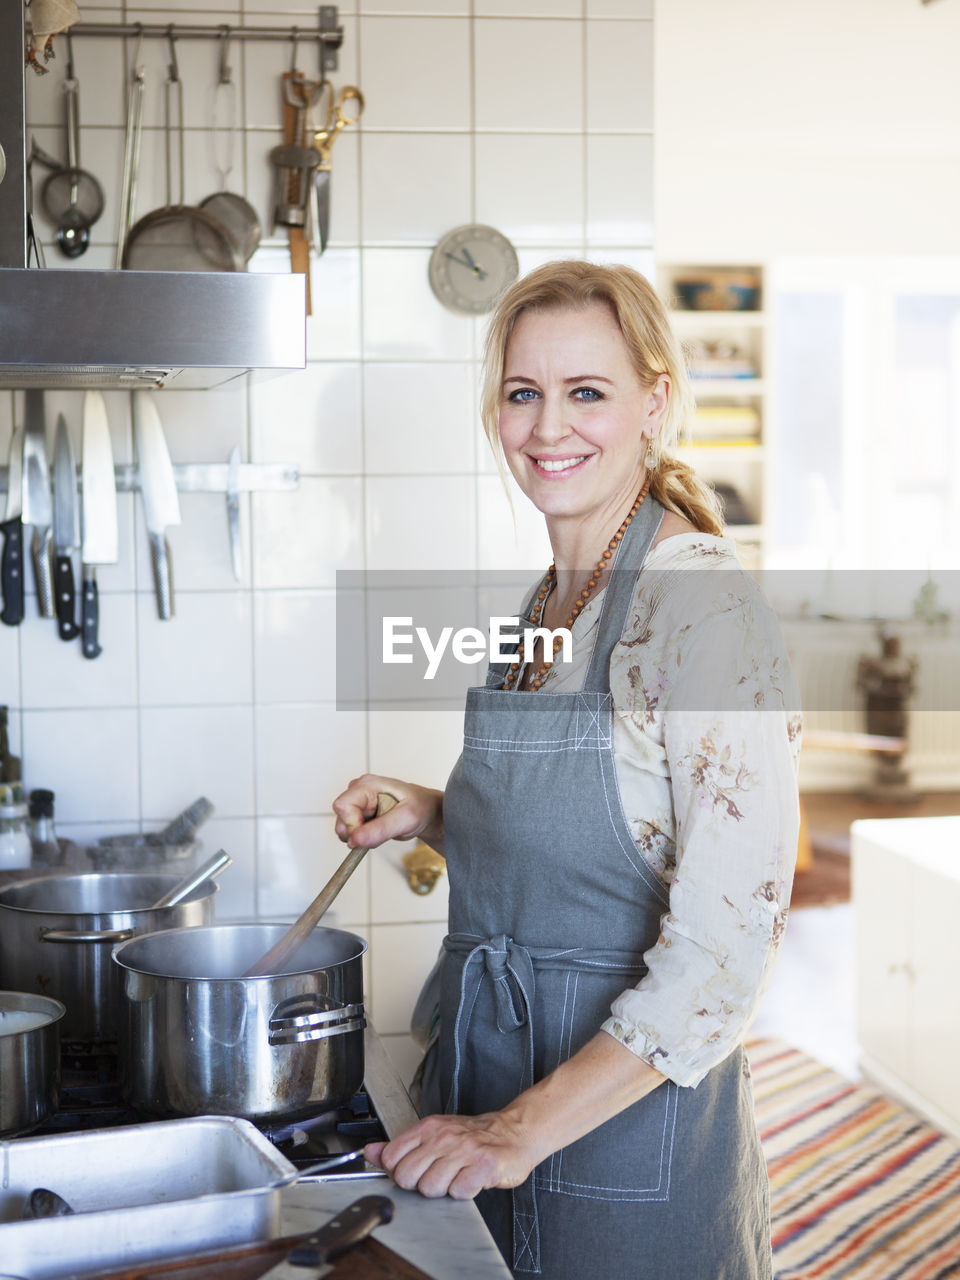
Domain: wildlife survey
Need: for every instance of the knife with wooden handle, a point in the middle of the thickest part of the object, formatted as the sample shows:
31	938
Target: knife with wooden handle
370	1260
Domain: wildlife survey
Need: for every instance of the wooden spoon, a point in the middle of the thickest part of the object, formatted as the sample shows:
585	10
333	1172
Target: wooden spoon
276	958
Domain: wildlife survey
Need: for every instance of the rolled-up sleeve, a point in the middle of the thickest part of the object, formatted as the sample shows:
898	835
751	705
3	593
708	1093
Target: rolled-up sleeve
727	720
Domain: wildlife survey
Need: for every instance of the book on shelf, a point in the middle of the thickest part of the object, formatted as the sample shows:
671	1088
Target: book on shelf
727	424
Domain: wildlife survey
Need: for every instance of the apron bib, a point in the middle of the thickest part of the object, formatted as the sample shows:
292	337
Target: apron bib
551	909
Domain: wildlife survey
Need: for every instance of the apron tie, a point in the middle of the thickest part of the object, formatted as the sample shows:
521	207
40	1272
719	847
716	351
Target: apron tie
509	966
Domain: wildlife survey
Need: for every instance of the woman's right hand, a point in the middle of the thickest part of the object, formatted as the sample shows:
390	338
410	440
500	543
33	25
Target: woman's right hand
418	812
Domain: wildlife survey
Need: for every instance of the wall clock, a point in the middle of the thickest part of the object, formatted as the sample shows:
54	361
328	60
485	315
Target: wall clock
470	267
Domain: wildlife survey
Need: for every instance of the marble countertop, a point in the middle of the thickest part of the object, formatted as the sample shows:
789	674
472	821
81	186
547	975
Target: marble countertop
445	1238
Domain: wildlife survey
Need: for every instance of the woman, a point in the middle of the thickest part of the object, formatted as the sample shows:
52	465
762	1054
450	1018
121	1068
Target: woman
619	831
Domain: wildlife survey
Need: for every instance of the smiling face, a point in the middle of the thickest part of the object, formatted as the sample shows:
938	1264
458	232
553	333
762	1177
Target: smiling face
575	419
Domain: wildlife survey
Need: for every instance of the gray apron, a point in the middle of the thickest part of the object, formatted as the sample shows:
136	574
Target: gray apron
551	909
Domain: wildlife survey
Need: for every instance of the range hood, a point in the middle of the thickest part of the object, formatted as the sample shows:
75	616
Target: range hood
120	329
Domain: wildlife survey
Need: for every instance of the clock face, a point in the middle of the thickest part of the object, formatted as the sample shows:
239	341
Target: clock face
470	267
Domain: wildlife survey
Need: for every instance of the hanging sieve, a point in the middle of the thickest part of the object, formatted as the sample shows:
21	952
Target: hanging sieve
72	198
178	237
236	213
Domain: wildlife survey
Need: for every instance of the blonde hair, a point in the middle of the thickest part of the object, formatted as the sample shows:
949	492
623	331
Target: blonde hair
653	347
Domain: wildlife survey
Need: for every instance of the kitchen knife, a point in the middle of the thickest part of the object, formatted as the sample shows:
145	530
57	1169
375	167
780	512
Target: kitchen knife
158	488
233	509
246	1262
11	563
311	1259
100	541
66	530
37	511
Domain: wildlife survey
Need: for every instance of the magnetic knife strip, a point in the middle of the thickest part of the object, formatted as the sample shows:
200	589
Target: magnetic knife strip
206	477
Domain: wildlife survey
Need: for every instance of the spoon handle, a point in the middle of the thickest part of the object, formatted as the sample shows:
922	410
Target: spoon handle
203	873
299	931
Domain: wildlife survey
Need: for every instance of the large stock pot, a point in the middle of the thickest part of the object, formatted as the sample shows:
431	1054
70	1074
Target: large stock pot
56	935
201	1040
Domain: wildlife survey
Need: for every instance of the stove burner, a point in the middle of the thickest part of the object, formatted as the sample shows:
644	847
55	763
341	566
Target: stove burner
90	1098
331	1133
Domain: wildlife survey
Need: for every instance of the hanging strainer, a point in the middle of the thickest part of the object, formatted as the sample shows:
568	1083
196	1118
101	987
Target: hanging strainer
235	212
179	237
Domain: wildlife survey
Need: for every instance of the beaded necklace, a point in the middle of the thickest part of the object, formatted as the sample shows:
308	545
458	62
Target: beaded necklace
536	613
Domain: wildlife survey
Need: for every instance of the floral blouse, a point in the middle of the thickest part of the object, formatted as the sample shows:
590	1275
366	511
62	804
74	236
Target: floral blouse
706	742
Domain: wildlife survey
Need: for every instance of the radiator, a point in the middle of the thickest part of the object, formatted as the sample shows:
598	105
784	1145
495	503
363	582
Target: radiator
825	656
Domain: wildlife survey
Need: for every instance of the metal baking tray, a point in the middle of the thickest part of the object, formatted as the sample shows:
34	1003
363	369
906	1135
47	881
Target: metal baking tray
140	1192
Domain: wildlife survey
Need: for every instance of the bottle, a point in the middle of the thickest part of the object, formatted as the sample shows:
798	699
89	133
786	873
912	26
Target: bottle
15	846
43	839
9	765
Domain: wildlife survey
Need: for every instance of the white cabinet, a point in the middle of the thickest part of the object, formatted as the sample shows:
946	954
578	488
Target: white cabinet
719	315
906	893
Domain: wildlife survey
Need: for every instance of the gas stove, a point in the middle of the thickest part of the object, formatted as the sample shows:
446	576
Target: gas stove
91	1098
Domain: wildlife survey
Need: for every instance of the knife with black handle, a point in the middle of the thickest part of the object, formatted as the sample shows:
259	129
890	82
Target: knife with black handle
66	531
99	545
11	561
267	1258
343	1232
36	507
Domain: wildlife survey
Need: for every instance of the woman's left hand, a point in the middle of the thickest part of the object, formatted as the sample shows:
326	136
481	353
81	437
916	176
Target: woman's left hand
457	1156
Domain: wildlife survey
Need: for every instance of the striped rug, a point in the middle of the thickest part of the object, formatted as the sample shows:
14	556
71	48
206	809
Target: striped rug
860	1188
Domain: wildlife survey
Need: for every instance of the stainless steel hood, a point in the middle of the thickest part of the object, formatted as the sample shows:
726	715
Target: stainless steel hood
109	329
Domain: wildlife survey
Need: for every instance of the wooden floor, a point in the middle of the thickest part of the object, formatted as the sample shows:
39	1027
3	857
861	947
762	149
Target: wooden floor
829	815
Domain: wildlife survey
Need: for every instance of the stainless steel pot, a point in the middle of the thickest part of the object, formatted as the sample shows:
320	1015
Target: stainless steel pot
29	1060
56	933
202	1041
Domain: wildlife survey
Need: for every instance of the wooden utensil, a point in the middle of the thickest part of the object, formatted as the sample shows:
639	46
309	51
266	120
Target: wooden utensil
369	1260
278	955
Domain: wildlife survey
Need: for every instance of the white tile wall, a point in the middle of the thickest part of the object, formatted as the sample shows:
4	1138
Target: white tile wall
533	115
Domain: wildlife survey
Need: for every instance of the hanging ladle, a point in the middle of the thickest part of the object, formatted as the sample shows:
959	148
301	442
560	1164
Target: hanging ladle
206	871
72	197
274	960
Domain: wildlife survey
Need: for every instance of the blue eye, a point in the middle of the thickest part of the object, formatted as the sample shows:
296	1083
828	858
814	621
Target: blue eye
523	395
587	395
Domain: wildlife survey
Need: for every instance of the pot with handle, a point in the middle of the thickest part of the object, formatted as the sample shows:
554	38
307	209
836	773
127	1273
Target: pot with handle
29	1060
199	1039
56	933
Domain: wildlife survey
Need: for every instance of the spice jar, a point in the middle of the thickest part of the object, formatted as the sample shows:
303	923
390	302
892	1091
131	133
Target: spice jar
15	846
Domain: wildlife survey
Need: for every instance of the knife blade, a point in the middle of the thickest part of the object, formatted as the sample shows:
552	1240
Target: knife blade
36	510
233	509
312	1258
66	530
321	200
158	488
99	545
11	562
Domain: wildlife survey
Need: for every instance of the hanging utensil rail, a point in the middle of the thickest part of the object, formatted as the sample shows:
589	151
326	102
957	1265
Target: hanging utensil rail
207	477
328	34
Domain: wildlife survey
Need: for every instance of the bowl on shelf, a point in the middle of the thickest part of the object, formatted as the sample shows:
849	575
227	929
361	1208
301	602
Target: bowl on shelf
718	291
